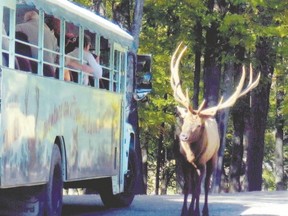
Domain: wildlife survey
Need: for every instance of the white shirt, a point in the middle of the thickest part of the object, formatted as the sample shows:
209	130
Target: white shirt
30	28
88	59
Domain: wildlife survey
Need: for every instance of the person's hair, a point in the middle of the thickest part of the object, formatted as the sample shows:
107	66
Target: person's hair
87	40
29	15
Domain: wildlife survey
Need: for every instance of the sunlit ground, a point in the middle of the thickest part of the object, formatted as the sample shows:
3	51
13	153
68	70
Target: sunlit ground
233	204
248	203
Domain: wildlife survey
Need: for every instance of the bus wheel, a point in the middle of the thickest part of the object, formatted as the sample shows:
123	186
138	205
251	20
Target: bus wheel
125	198
54	187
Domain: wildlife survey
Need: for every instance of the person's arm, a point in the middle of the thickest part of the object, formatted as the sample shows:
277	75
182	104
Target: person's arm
97	69
76	65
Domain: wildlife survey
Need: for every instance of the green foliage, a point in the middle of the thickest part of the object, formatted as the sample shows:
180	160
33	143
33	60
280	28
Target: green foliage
240	24
268	163
268	179
84	2
236	28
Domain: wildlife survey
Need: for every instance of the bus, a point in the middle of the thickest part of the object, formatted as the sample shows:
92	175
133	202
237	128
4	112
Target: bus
62	124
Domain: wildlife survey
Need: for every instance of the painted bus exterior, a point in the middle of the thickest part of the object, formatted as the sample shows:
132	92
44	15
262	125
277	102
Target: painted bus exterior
86	125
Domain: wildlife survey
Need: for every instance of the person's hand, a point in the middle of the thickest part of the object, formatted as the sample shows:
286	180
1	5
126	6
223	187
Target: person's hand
87	68
97	59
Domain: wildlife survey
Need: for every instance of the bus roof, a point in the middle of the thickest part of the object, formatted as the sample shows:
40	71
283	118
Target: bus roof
87	19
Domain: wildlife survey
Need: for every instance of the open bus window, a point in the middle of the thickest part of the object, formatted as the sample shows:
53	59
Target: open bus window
32	32
94	49
45	42
5	37
82	60
118	70
26	35
51	47
71	43
105	62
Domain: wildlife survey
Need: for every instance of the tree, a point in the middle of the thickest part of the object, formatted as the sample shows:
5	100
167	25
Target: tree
279	135
133	117
259	111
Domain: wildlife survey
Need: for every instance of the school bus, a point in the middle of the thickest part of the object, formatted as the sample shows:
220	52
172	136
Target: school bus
58	132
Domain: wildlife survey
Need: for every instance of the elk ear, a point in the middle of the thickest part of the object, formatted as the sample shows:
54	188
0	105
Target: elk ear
183	111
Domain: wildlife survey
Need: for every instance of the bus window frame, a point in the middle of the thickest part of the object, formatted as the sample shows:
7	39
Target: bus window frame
11	7
115	75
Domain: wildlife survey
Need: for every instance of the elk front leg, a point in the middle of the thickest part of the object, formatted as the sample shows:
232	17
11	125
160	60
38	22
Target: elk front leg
187	152
197	175
187	185
209	170
184	211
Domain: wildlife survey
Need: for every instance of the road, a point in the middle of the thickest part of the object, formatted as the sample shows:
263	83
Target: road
244	204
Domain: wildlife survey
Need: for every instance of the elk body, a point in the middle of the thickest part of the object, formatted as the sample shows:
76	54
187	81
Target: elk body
199	137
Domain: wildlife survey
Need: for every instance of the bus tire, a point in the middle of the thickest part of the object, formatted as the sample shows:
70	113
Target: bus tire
125	198
54	187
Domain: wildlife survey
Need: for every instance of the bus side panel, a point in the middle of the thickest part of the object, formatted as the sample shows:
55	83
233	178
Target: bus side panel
36	109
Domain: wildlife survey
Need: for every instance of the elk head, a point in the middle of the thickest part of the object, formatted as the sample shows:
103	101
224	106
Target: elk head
193	120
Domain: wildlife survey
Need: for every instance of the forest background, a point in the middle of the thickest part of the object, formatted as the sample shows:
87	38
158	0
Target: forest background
222	36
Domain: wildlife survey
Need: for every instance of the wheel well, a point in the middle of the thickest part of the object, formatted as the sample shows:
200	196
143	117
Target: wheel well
59	141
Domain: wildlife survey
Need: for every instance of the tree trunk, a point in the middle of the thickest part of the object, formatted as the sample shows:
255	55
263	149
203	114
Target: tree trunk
212	77
144	151
164	180
178	157
223	117
198	54
133	117
259	111
279	163
159	159
237	152
211	68
246	139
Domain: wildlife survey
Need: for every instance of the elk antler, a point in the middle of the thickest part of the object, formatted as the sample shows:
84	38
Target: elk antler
184	99
237	94
175	80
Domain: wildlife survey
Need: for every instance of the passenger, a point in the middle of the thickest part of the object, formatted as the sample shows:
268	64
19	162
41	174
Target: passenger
54	26
70	42
5	46
30	28
88	59
70	45
75	65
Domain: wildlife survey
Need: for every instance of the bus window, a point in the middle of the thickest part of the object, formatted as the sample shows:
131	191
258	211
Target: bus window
50	48
71	61
32	26
4	36
81	57
105	62
119	70
94	49
26	34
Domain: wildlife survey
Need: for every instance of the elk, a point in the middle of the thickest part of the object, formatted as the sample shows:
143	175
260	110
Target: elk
199	136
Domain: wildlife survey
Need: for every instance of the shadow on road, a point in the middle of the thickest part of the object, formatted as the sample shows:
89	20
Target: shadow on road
75	205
